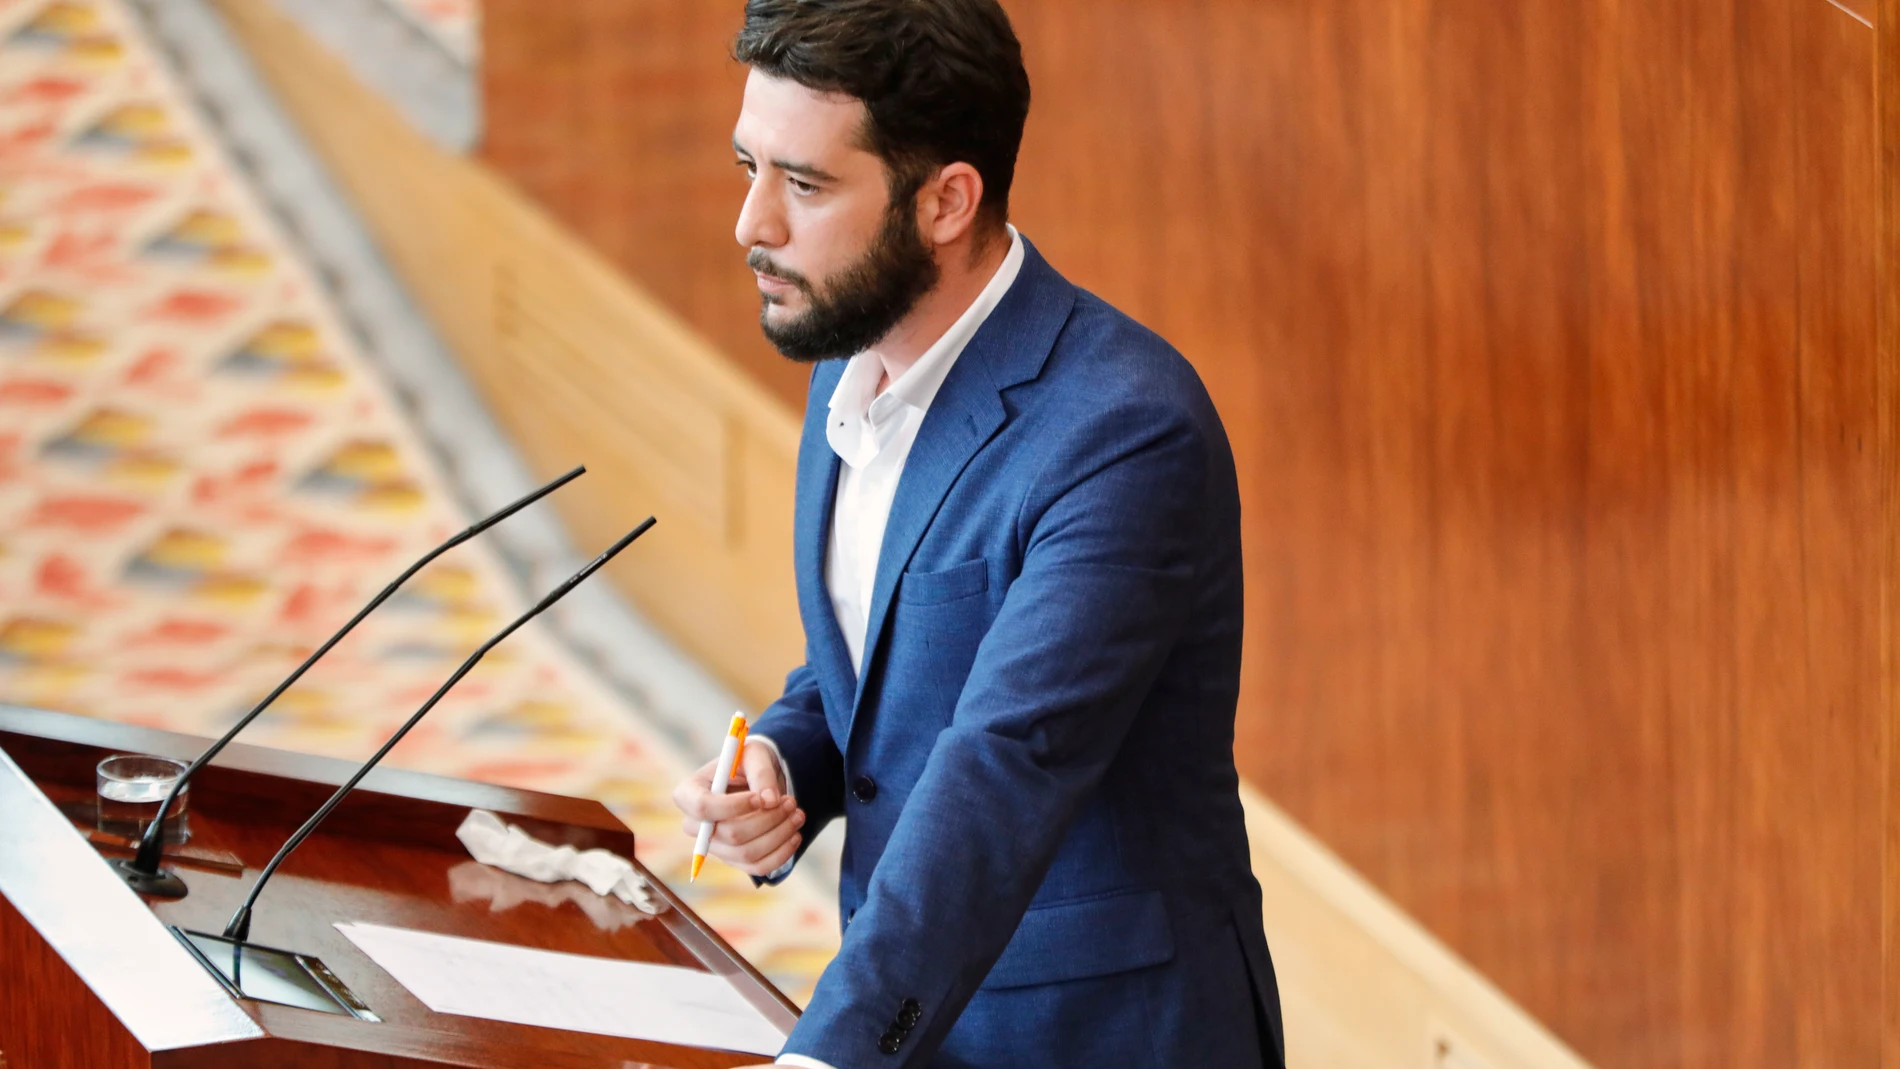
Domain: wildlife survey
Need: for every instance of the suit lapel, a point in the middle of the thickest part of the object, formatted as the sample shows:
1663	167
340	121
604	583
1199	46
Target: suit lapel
811	535
954	428
1008	349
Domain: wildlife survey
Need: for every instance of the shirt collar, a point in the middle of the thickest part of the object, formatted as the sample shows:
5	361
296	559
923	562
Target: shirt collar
917	386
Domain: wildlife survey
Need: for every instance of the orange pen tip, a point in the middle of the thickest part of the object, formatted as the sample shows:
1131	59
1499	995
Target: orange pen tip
699	862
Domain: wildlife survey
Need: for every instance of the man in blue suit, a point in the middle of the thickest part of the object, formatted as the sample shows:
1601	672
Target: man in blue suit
1019	569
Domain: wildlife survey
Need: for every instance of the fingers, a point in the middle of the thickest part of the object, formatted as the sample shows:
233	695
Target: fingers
686	796
750	853
762	774
776	860
725	807
694	798
743	829
767	861
759	784
758	843
748	826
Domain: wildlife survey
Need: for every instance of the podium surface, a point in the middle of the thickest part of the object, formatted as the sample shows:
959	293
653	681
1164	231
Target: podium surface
91	978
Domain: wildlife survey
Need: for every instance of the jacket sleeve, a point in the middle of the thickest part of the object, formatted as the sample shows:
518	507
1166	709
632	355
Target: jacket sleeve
796	725
1110	530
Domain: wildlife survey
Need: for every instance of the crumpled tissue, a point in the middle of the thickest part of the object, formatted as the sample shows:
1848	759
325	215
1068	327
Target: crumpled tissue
505	846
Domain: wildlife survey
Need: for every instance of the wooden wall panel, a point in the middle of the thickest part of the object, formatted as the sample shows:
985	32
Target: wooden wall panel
1887	330
1546	334
617	115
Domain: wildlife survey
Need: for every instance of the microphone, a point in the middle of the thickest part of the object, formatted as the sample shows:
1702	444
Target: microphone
239	929
141	871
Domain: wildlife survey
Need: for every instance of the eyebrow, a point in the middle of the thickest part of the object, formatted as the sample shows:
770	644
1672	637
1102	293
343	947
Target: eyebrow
803	170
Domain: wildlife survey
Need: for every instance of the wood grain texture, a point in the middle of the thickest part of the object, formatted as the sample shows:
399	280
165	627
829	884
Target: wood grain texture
389	858
1887	232
617	116
1547	338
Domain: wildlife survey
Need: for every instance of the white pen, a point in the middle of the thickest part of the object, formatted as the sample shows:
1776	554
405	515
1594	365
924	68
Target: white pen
730	753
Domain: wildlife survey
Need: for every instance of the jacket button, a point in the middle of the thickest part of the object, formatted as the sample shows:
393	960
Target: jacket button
889	1042
864	789
911	1005
908	1020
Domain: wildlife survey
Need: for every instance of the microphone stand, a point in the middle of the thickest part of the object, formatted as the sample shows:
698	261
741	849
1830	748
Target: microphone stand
141	871
239	928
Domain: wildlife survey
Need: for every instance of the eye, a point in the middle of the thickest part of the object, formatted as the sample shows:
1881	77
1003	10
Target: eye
803	189
751	171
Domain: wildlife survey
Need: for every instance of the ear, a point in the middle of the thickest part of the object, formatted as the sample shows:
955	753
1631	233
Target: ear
948	203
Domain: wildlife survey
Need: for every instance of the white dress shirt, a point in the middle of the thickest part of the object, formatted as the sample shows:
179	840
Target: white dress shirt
872	434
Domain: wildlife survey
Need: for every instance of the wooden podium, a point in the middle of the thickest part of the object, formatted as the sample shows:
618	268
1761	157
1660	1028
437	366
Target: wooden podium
90	977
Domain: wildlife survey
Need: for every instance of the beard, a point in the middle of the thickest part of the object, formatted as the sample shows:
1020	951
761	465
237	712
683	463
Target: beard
859	304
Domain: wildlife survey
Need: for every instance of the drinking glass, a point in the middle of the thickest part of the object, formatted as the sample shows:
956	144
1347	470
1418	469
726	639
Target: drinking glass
131	786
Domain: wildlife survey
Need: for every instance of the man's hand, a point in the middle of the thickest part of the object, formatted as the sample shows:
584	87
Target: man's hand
758	822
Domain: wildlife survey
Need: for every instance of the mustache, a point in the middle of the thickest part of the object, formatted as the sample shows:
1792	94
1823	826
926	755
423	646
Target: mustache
759	261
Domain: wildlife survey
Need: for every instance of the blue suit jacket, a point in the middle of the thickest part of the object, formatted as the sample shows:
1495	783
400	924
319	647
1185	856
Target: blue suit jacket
1044	863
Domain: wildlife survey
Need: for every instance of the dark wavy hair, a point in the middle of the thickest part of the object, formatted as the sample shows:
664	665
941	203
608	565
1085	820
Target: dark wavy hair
943	80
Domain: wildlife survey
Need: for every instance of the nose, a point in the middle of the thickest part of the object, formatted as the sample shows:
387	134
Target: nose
761	222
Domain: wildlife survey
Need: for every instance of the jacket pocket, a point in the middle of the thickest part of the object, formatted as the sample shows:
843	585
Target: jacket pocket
932	588
1090	937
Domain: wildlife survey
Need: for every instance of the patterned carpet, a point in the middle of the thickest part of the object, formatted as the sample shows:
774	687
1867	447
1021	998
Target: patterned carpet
201	476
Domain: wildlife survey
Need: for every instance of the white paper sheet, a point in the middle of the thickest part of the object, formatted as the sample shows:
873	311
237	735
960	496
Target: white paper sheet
498	982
